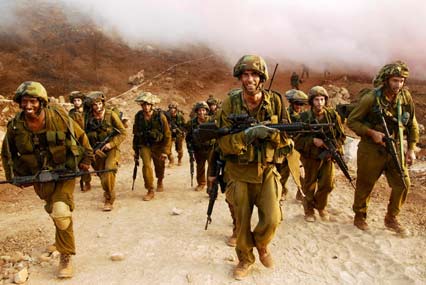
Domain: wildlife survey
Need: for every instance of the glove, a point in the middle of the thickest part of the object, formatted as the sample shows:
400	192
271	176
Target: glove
258	132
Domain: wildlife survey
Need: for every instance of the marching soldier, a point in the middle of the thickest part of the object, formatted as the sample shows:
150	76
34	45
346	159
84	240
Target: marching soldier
391	98
151	141
77	114
102	123
319	169
42	137
177	127
213	105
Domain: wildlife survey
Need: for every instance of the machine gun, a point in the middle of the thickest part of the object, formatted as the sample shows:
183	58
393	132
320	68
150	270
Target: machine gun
101	144
390	145
334	154
214	188
45	176
241	122
135	170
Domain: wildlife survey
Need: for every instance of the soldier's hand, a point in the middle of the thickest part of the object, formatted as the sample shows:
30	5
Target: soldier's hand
106	147
84	167
377	137
163	156
211	179
319	143
100	154
410	157
258	132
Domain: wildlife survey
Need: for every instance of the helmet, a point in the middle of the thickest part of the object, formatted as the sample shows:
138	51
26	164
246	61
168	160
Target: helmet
93	97
295	95
173	105
77	94
317	91
251	62
31	88
398	68
212	100
147	97
199	105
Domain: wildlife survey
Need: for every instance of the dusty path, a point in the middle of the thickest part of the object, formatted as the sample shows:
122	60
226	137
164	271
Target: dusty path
161	248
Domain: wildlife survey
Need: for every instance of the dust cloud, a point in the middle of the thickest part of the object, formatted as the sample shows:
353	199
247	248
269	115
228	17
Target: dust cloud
324	34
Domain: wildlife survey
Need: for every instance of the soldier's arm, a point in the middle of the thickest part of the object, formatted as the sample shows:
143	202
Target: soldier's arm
356	117
6	157
412	128
116	123
84	142
167	140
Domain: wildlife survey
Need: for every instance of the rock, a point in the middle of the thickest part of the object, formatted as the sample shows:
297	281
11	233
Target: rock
21	276
55	254
45	257
176	211
61	99
231	258
189	278
17	256
5	258
99	235
5	109
118	256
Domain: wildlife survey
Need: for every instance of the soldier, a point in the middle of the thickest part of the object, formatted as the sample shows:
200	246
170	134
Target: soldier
42	137
295	81
319	169
298	99
77	114
251	155
177	126
100	124
373	159
151	141
199	151
213	105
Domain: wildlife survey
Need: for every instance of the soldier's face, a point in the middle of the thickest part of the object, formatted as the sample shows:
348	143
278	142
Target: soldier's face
31	106
250	81
318	104
201	113
395	84
77	102
298	107
173	111
98	107
146	108
213	107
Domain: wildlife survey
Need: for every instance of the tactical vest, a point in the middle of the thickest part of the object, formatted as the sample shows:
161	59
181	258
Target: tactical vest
148	132
266	151
194	144
51	148
98	130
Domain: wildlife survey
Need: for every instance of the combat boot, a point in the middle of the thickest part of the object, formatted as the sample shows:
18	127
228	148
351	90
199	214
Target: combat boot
392	223
107	206
324	215
87	187
180	162
299	196
309	212
148	196
160	187
265	257
360	222
65	269
200	187
232	240
242	270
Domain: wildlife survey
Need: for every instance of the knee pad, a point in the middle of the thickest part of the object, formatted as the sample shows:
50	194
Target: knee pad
61	215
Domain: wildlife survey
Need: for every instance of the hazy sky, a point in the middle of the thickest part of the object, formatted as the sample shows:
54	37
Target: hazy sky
355	33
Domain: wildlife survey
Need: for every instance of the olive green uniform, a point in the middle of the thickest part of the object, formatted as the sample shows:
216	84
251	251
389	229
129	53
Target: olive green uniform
97	131
79	118
151	139
61	144
252	178
373	159
201	150
177	127
319	173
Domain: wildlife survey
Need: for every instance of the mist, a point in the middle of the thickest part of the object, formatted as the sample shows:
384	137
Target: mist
357	35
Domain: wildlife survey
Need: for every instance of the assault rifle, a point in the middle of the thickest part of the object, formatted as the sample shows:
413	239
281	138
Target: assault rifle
191	166
208	131
390	145
101	144
45	176
213	189
332	152
135	170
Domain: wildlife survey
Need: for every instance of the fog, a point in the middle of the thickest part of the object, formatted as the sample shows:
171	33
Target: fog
357	35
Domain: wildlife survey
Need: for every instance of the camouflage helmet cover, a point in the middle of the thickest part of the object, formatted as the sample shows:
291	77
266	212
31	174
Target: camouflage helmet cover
213	101
397	68
251	62
173	105
77	94
33	89
295	95
199	105
317	91
147	97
